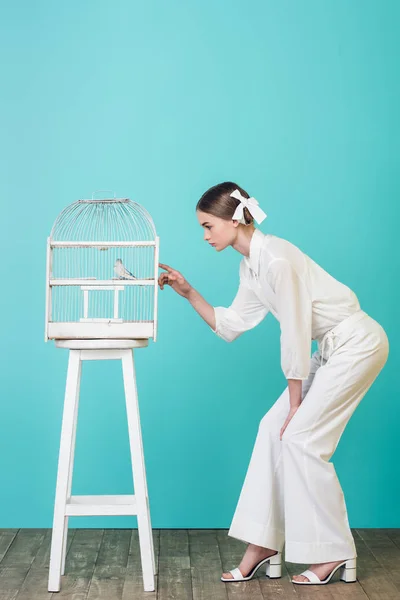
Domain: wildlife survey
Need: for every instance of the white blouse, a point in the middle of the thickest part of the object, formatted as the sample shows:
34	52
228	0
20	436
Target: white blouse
307	301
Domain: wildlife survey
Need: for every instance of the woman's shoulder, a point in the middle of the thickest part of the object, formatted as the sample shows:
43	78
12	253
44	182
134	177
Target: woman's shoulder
275	246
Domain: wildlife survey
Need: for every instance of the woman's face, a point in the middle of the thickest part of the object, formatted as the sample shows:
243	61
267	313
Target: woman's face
219	233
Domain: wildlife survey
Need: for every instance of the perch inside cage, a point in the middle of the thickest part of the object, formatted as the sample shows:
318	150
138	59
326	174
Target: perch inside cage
102	272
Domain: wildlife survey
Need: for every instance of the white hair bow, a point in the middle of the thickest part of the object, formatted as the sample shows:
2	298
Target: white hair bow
252	206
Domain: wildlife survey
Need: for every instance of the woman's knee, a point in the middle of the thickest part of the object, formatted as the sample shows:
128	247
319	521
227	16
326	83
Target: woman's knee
272	421
276	415
265	423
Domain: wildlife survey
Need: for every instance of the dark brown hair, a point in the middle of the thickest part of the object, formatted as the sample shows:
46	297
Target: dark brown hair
217	201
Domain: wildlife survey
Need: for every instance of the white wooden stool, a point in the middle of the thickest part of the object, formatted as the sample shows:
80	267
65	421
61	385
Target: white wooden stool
66	505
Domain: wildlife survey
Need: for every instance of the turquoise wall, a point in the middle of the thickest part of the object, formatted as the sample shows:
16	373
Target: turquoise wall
295	101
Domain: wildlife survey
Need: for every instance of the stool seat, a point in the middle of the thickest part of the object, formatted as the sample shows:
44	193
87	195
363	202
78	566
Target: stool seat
103	344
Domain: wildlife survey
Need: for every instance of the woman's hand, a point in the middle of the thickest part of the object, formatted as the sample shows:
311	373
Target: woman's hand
292	412
175	279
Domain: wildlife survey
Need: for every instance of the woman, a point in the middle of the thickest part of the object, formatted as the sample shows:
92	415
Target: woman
291	494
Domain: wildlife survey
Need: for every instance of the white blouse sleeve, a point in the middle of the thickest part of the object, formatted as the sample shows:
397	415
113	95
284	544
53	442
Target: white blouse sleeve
245	312
294	308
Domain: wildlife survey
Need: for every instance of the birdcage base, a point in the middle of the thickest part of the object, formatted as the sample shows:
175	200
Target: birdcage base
127	330
100	344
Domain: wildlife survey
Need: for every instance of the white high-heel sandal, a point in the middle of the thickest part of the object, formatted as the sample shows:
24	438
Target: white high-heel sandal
348	574
273	569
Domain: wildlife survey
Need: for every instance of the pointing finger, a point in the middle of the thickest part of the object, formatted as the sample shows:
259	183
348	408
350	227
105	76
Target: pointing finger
165	267
171	271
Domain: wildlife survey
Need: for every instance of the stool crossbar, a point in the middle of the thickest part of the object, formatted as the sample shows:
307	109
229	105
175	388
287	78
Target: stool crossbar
66	505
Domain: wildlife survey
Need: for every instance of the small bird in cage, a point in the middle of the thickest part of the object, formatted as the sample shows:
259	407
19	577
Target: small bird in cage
121	271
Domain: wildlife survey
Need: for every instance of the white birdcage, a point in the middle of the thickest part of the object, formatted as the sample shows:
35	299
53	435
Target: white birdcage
102	272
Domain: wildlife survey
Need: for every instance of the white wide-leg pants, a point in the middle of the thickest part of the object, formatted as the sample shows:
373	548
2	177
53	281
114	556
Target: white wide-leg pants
291	494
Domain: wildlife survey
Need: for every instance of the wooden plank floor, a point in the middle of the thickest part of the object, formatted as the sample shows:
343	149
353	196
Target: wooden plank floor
106	564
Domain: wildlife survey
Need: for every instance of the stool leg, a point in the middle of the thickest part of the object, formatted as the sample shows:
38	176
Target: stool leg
141	454
71	469
64	472
139	472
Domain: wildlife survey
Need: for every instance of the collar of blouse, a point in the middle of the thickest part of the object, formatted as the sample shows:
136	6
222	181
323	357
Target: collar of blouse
256	242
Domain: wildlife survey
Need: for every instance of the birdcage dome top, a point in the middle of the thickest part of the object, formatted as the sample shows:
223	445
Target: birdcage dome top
109	219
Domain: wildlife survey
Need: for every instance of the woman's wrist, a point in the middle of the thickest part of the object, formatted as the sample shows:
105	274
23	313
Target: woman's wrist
295	392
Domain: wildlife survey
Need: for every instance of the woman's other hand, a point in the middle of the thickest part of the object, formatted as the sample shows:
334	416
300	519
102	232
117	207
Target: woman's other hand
175	279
